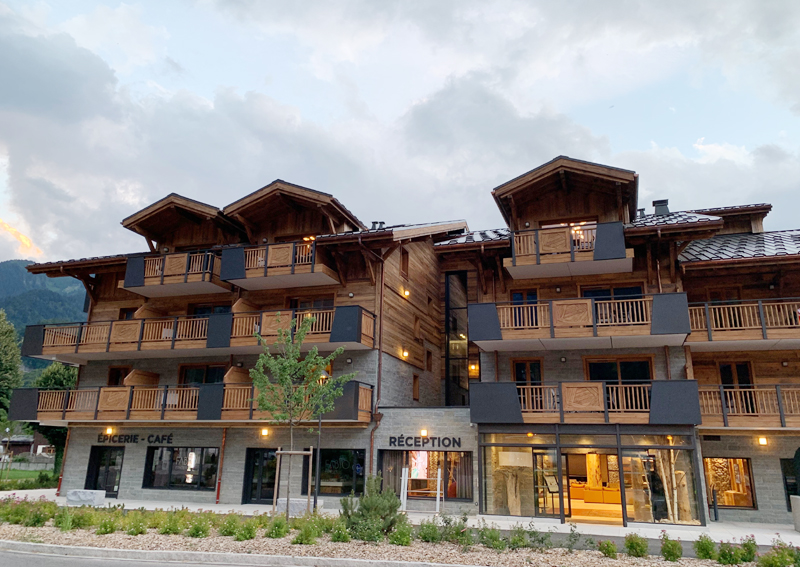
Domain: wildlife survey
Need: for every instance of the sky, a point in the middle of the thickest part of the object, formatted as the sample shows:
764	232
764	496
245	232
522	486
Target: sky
406	111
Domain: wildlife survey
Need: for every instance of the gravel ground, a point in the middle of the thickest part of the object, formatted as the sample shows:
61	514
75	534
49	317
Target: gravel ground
445	553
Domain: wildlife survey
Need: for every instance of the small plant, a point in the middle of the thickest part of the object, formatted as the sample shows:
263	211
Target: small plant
277	528
705	548
636	545
376	506
780	555
489	536
538	541
84	518
199	527
456	531
608	548
230	525
306	536
36	517
65	519
671	549
107	525
246	530
749	548
429	531
402	533
518	537
573	538
155	519
135	524
368	529
729	554
340	533
171	526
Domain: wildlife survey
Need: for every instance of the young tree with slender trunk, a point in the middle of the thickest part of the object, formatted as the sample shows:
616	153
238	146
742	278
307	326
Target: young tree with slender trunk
294	388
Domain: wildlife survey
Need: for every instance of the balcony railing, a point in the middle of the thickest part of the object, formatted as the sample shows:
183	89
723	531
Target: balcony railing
584	402
180	268
751	406
283	255
561	240
745	320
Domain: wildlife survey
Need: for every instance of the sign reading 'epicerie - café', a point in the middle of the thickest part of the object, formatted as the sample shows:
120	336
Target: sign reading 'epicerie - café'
135	438
425	442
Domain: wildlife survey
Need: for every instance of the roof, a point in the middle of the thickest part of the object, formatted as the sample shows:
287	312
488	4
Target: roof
729	247
402	231
478	237
171	199
80	263
736	209
677	218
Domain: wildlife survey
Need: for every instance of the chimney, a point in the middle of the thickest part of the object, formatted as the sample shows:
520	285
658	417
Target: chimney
639	213
374	225
661	207
380	225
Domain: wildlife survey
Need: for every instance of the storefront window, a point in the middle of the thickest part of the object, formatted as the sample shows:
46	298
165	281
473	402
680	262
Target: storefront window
659	486
732	479
655	440
341	471
520	481
519	438
181	468
423	473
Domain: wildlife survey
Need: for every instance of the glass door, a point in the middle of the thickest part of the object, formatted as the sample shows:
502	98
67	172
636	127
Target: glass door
105	469
546	486
260	469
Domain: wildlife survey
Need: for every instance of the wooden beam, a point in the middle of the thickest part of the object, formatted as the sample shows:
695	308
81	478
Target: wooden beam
501	274
90	284
673	259
340	267
481	274
689	367
186	215
248	227
514	219
152	242
563	177
620	206
682	246
649	264
370	268
328	217
289	203
388	252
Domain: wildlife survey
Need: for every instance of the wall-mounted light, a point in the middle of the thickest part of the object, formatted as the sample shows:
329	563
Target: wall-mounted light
527	224
264	432
563	359
348	360
762	440
165	250
473	366
558	290
463	336
109	430
407	293
405	353
239	364
530	434
785	363
351	295
264	240
772	286
423	433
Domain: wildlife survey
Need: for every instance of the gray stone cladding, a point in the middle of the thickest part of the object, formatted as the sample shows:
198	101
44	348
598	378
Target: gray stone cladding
766	468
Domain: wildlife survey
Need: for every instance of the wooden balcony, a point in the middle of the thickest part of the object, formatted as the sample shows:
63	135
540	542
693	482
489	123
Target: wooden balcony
234	402
585	402
580	323
169	275
349	326
768	324
277	266
569	251
754	407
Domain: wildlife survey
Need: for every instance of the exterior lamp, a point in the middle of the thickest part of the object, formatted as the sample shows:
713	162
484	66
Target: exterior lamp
264	432
406	293
405	353
109	430
473	366
762	440
423	433
530	434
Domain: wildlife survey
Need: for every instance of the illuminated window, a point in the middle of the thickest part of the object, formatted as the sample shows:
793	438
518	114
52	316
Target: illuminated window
733	481
181	468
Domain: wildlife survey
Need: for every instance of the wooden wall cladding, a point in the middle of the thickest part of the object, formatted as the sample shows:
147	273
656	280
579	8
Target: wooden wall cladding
751	283
581	203
766	366
196	235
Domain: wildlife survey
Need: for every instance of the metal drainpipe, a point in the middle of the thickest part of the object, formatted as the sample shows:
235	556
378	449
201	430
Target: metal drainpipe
658	262
376	415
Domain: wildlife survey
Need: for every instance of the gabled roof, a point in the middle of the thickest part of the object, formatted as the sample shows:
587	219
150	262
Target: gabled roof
676	218
736	210
494	236
737	247
400	231
309	197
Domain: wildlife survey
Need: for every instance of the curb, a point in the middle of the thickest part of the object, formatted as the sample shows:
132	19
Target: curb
205	557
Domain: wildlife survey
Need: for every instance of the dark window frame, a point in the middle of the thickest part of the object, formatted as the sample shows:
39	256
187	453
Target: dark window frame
445	471
148	467
310	461
749	464
650	358
117	367
183	367
415	387
404	262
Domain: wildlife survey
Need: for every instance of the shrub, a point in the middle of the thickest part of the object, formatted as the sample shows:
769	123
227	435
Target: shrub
306	536
18	512
402	533
518	537
749	548
368	529
635	545
429	531
277	528
84	517
456	531
705	548
247	530
200	526
729	554
573	538
106	525
538	541
319	523
36	518
608	548
65	519
135	524
378	508
172	525
156	519
341	534
671	549
780	555
230	524
489	536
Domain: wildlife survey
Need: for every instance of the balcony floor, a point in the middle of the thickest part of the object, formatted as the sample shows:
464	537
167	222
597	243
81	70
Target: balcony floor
576	343
565	268
302	277
699	342
178	289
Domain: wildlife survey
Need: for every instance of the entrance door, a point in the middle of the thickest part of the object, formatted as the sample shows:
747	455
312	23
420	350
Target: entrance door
737	381
105	468
260	466
546	487
592	485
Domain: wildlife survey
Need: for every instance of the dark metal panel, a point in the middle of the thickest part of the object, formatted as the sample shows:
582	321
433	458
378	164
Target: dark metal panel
209	401
675	402
232	267
346	406
483	323
670	314
86	301
346	327
134	272
33	340
24	404
219	330
496	402
610	241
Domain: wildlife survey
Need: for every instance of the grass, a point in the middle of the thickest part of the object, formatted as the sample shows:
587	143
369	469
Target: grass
18	475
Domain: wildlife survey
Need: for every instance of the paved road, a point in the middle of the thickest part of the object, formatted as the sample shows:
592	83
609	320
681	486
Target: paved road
18	559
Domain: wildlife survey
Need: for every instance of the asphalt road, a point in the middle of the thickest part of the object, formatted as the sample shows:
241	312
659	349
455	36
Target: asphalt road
19	559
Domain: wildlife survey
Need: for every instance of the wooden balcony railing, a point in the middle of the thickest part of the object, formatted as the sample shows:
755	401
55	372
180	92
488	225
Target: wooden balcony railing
751	406
584	402
180	268
745	320
283	255
564	240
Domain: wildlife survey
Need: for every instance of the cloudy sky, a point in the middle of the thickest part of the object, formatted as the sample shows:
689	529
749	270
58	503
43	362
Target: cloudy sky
407	111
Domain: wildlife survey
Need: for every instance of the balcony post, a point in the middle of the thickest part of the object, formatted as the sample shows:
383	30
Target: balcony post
252	398
313	258
552	325
560	406
594	318
536	244
174	333
294	254
163	265
571	244
108	339
605	402
188	265
66	403
708	322
763	321
724	404
97	402
141	334
130	403
78	336
266	257
780	404
164	401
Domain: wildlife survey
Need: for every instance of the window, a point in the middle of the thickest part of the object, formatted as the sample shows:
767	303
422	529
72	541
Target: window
616	292
341	471
202	374
415	387
789	480
732	480
404	263
181	468
428	361
620	370
528	371
127	313
116	374
311	303
524	296
206	310
423	469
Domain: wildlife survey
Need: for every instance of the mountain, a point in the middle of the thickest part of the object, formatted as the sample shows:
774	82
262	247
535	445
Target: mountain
15	279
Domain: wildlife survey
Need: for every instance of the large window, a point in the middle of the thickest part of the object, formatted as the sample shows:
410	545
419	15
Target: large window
181	468
733	481
341	471
528	371
202	374
620	370
423	470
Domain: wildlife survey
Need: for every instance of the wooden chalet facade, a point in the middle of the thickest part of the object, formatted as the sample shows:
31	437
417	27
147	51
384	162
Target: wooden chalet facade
587	361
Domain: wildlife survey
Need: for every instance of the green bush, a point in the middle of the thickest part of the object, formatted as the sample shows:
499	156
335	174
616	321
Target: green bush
378	508
199	526
705	548
538	541
18	512
84	518
749	548
172	525
229	525
36	518
671	549
368	529
106	525
636	545
780	555
44	478
306	536
429	531
729	554
277	528
518	538
340	533
135	524
64	519
402	534
247	530
608	548
489	536
456	531
156	519
573	538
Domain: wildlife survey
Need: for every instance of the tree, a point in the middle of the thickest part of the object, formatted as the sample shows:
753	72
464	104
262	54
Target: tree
55	377
10	363
294	388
